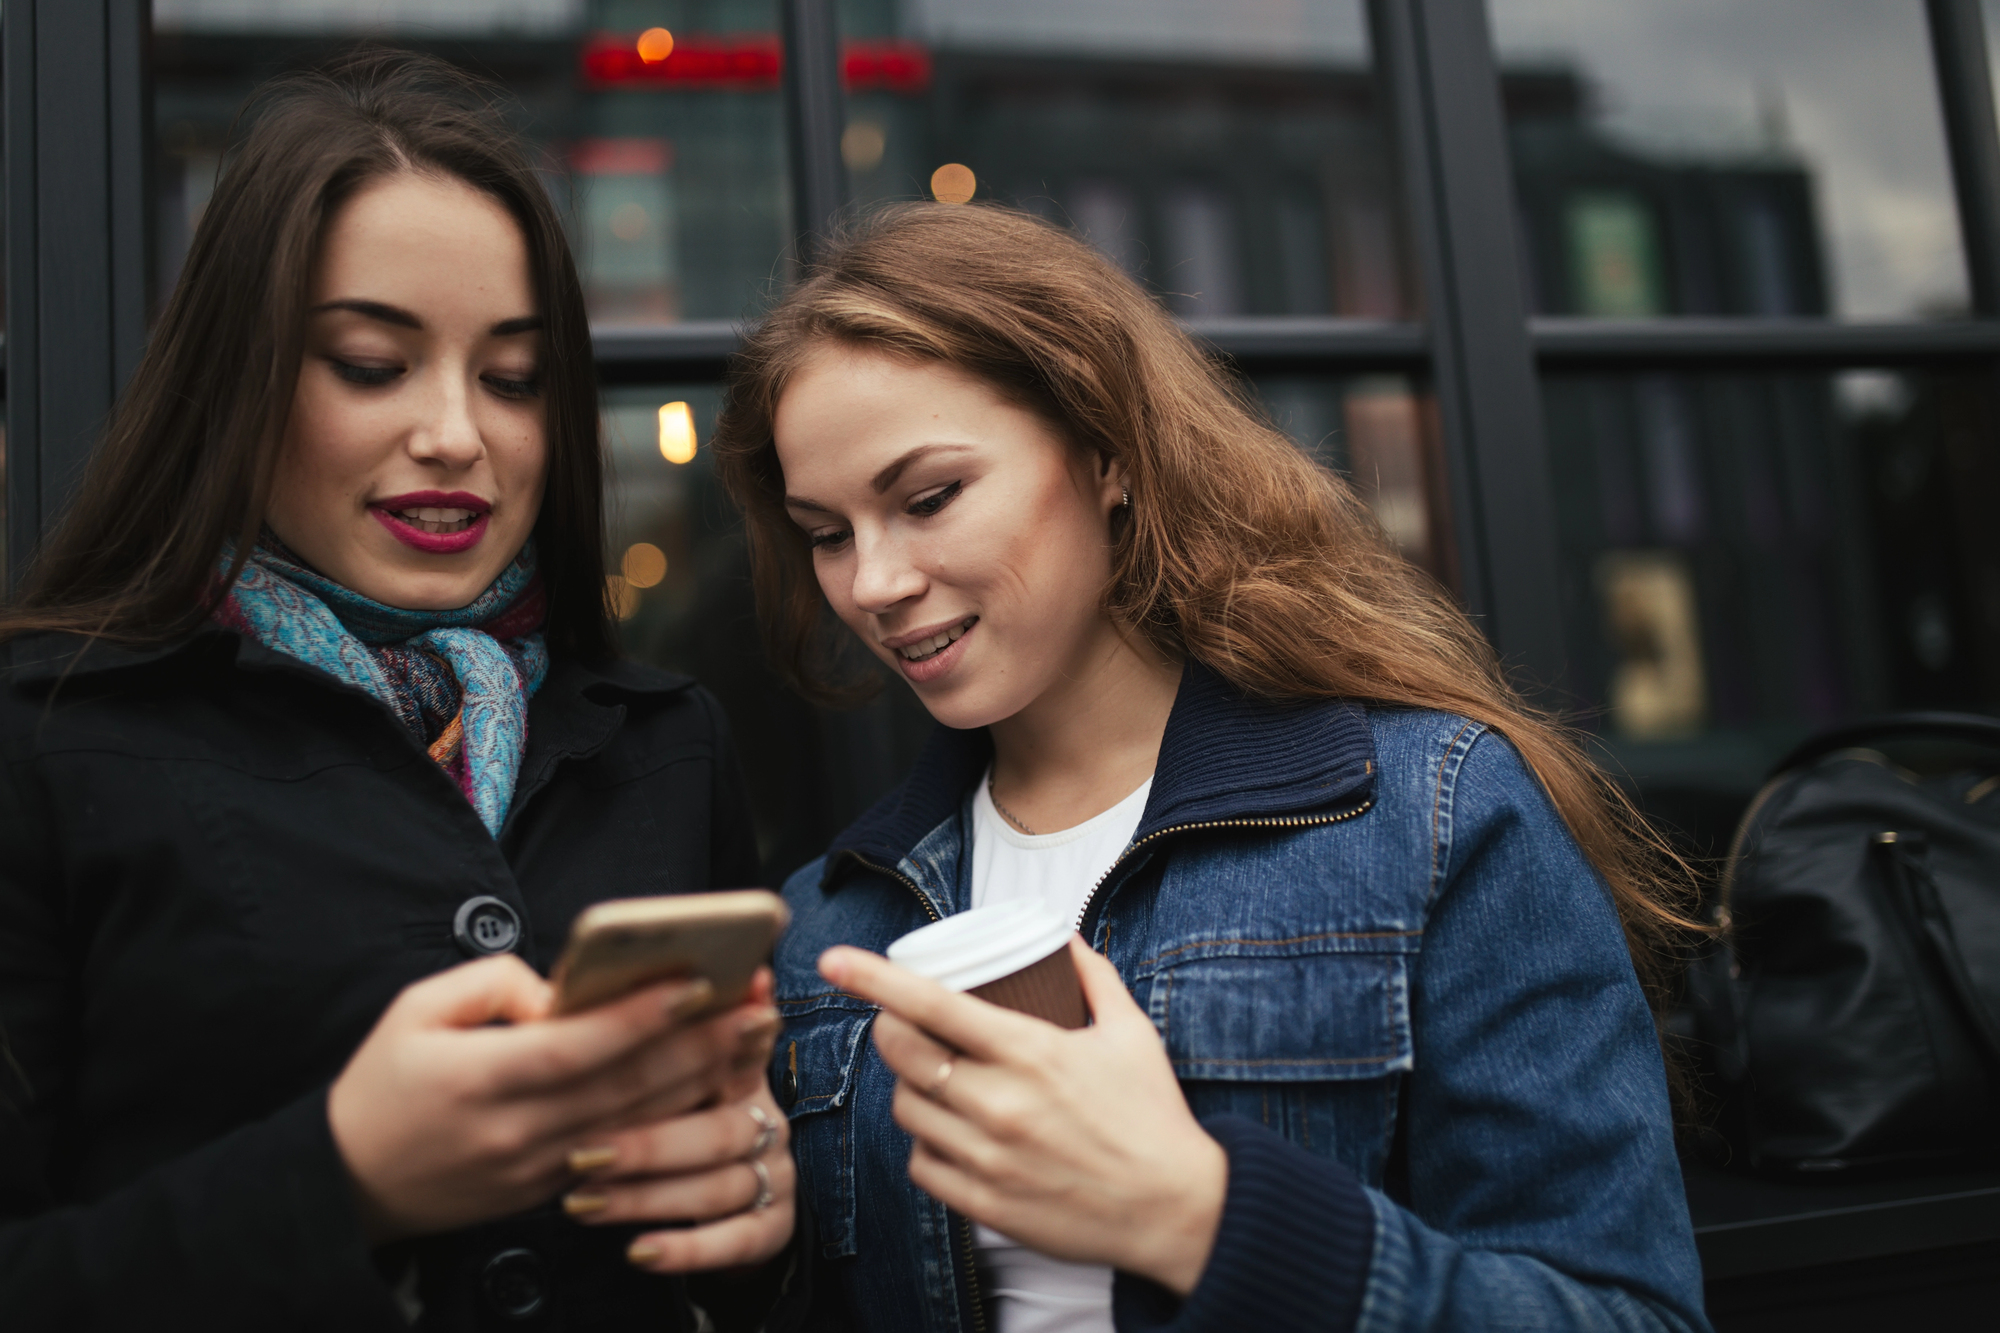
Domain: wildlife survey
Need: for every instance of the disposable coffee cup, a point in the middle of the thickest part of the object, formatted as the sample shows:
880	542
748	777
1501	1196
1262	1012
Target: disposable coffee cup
1013	954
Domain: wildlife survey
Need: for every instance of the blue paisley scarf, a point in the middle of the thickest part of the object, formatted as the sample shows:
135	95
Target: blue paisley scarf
459	681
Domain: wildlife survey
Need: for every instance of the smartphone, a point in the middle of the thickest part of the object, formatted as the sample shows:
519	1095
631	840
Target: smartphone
619	946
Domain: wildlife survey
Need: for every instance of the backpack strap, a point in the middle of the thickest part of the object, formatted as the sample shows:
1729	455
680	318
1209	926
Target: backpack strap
1973	728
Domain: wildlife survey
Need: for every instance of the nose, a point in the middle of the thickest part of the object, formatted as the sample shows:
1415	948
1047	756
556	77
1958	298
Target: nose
447	433
884	574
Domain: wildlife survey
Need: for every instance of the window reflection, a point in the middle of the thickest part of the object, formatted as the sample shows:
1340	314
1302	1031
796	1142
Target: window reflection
1378	431
1707	157
657	123
1658	687
1747	558
1232	157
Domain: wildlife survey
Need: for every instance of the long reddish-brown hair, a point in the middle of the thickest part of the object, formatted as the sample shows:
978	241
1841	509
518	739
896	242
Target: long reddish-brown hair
1240	552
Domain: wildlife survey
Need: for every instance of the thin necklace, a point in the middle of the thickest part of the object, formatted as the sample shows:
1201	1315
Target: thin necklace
1010	816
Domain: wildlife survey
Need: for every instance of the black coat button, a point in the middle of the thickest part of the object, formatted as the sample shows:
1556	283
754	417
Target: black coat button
485	926
513	1285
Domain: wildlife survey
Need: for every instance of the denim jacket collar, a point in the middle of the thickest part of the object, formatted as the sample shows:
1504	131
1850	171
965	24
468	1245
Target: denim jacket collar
1224	756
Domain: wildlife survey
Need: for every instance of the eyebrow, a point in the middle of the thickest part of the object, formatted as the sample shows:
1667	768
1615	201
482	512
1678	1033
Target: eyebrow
389	314
886	478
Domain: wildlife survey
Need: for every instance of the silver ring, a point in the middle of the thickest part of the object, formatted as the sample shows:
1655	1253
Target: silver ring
765	1194
767	1130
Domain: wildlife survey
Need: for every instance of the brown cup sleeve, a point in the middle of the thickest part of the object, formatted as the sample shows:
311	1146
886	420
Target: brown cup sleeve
1049	989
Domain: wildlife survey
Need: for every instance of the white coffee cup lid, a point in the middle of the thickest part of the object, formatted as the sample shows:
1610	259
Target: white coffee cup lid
982	944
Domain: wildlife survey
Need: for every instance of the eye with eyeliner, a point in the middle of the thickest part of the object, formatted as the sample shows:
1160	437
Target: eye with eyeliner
511	386
929	503
368	377
925	505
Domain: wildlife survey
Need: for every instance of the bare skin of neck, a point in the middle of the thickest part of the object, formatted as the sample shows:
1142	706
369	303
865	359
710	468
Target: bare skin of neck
1088	741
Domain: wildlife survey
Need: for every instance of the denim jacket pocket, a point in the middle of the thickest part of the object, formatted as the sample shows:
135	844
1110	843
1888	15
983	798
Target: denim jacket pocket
813	1070
1307	1043
1262	1015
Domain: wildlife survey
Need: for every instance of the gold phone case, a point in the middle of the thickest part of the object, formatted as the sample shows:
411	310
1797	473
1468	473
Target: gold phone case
619	946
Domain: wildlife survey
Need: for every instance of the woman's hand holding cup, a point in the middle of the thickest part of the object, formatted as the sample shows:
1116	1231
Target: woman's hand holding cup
466	1101
1078	1144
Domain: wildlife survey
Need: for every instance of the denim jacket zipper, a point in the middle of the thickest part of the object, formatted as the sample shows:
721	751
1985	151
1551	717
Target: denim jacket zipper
1281	821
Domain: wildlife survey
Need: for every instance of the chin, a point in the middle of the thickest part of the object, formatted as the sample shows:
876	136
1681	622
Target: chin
423	594
965	707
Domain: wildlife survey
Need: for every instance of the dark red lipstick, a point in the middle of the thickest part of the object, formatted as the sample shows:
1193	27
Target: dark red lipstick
435	522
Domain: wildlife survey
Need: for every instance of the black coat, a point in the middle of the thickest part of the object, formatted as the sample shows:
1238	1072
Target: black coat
217	867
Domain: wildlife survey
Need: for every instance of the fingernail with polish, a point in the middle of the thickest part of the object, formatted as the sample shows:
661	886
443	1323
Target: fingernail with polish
591	1159
689	998
581	1204
643	1252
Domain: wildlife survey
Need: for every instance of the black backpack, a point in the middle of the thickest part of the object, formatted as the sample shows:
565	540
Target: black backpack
1850	1019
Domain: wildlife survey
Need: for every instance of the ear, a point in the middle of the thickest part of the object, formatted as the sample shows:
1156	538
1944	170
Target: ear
1111	482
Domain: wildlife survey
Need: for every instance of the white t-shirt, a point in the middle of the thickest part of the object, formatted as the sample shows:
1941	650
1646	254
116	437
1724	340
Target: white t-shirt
1033	1293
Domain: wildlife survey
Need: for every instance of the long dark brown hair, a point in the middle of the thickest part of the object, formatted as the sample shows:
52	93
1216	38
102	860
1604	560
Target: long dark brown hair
1241	552
187	460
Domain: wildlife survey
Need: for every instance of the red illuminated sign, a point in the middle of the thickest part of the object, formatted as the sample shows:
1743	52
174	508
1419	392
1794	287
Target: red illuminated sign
746	62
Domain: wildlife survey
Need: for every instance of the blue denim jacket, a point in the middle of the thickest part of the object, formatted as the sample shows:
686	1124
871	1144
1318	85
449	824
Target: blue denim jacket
1365	929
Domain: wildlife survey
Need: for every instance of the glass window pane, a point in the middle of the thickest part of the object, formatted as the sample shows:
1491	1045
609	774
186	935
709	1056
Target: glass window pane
1710	157
1233	157
1750	557
1380	432
666	151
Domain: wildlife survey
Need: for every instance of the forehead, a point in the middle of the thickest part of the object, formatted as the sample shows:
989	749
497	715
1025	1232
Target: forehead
850	410
862	380
425	234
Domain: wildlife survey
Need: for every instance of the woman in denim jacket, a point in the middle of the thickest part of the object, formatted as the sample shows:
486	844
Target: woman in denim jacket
1369	950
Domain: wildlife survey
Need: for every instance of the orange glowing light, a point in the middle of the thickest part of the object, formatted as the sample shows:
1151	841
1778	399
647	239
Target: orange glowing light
655	45
677	441
954	183
644	565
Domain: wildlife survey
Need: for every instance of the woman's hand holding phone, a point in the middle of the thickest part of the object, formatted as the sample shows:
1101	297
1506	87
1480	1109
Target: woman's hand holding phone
460	1106
1075	1143
698	1168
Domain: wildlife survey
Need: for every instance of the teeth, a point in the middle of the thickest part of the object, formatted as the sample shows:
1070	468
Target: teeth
432	519
937	643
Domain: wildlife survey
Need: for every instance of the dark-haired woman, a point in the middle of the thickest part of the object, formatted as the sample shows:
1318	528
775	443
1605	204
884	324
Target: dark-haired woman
312	699
1365	941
